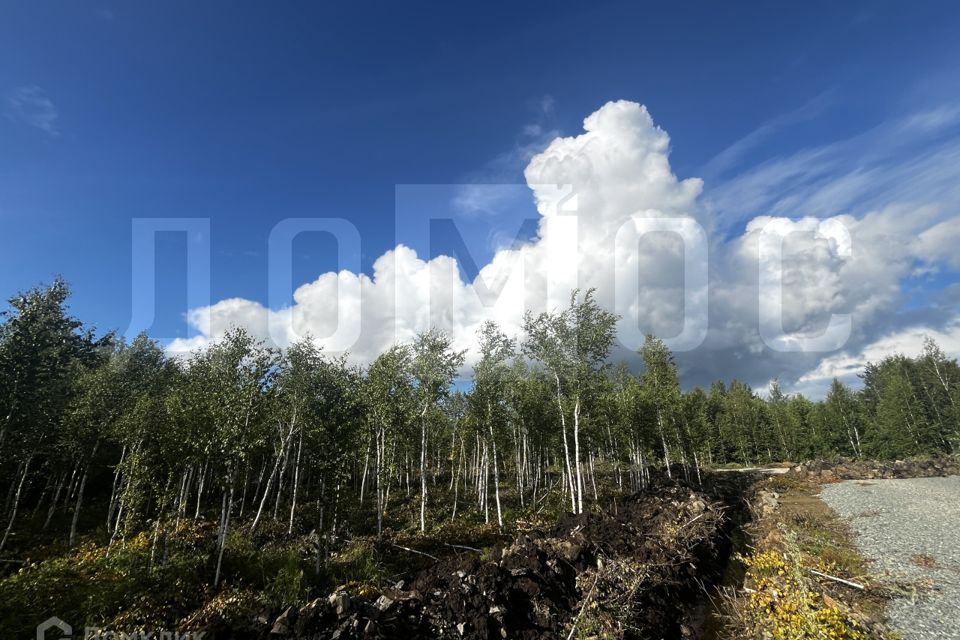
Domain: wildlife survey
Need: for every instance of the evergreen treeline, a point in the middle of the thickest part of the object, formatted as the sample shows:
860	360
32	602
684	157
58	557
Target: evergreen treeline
118	434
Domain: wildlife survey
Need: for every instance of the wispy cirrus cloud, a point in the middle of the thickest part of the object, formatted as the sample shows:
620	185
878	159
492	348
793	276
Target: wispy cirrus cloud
914	158
729	158
533	137
30	105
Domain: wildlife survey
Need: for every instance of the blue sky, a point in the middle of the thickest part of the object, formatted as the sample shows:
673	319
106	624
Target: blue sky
250	113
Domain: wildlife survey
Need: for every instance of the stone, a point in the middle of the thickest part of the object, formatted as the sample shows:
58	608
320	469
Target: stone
283	625
768	502
340	601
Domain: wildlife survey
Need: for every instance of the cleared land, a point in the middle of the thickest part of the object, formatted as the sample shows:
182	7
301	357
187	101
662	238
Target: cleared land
910	530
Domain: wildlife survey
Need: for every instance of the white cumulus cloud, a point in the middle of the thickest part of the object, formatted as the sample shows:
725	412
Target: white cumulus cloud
595	193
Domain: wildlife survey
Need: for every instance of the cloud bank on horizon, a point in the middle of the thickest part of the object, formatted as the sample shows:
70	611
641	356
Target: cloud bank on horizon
596	193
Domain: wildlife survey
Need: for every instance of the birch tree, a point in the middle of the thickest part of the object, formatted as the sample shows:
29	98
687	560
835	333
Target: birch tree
231	381
491	376
661	387
434	366
42	351
389	399
572	345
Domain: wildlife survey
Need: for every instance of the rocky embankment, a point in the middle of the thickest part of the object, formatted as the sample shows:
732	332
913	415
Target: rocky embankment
848	469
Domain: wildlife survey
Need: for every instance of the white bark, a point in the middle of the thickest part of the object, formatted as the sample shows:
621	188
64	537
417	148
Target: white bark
224	527
16	502
566	449
423	470
576	453
296	482
79	504
273	474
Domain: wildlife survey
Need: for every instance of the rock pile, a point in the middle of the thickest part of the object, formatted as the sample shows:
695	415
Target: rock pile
848	469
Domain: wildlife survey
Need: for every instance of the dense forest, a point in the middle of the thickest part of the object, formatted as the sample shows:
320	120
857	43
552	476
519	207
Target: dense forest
246	429
116	440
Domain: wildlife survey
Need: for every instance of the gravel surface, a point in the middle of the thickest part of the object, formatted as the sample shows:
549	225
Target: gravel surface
910	530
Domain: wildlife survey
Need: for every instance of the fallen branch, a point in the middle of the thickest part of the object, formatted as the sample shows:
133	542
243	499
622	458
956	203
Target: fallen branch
422	553
855	585
462	546
543	497
691	522
583	608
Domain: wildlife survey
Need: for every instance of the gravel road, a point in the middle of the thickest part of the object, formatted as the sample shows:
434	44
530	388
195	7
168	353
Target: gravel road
910	530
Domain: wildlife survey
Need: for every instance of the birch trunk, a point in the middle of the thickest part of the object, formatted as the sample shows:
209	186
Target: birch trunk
576	453
566	449
423	470
296	481
224	527
79	504
16	502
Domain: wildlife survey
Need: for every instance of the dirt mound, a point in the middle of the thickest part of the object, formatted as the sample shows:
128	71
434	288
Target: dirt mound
636	572
848	469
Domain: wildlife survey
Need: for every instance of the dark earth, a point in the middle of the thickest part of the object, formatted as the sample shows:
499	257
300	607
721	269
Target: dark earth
641	568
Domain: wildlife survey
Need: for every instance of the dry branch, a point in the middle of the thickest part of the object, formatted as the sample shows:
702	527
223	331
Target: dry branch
422	553
583	608
855	585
